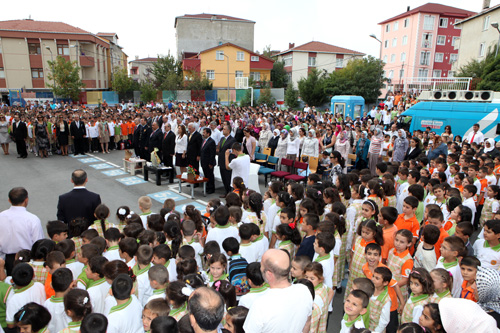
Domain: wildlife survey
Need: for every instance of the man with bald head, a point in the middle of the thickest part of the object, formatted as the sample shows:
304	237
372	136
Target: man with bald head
285	307
206	310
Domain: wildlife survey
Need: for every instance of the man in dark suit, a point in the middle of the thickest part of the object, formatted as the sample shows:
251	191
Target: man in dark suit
144	139
79	202
194	146
207	158
225	143
78	134
20	133
168	149
136	137
155	140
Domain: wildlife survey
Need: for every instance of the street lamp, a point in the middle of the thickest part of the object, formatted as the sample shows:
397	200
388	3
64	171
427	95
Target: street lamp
495	25
53	74
227	77
378	40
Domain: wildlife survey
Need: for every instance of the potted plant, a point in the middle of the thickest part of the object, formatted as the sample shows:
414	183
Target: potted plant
191	172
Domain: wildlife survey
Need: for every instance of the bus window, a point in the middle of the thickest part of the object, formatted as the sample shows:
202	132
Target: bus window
357	111
340	108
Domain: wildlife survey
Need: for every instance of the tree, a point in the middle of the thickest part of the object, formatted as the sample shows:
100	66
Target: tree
360	77
312	88
65	78
121	82
247	99
491	76
279	76
197	81
266	97
148	91
167	73
291	97
266	52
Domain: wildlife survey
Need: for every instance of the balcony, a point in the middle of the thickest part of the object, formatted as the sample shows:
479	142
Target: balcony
86	61
89	84
38	83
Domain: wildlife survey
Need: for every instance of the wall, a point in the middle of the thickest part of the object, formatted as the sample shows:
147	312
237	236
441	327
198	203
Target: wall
209	62
16	63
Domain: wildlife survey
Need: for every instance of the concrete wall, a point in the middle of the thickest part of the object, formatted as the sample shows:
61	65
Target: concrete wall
195	35
209	62
16	63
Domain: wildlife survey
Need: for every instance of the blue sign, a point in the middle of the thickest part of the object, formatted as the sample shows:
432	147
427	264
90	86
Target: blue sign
89	160
164	195
115	172
131	180
102	166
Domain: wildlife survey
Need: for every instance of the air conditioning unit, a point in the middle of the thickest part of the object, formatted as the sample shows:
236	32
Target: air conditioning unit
476	96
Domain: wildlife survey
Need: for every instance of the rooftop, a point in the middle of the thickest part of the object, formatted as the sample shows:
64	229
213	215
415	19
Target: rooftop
433	8
217	17
40	26
145	60
320	47
484	11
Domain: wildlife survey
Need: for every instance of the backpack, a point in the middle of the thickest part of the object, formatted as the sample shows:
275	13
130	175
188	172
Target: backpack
238	276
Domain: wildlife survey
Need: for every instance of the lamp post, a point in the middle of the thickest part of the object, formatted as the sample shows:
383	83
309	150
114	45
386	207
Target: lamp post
53	74
495	25
227	57
380	49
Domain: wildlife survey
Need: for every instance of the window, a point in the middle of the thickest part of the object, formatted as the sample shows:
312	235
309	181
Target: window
311	62
340	62
439	57
394	42
403	56
486	23
2	73
481	49
62	49
405	40
451	73
441	40
428	22
211	74
454	41
396	25
406	22
387	27
436	73
287	60
443	22
37	73
427	41
254	58
386	44
425	58
219	55
255	76
240	56
423	72
239	73
385	59
34	48
453	58
393	57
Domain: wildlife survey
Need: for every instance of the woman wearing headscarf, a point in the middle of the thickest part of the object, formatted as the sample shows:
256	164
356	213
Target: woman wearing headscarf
362	147
490	149
264	135
311	145
343	146
438	148
400	146
375	150
292	149
273	141
282	145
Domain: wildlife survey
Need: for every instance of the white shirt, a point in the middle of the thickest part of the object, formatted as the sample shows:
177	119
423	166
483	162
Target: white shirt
293	146
478	138
126	318
456	273
240	167
144	289
280	310
489	258
20	230
249	298
216	135
470	203
60	319
250	252
219	234
98	293
76	268
18	298
181	144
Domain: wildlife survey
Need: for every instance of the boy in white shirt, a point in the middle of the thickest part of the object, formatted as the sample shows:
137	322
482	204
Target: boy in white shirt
259	240
127	249
113	237
99	288
158	279
140	270
25	291
126	316
162	255
67	247
145	204
188	230
62	282
468	194
249	250
355	306
257	284
323	245
487	250
222	228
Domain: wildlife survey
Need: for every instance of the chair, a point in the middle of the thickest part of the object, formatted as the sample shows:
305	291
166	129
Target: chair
313	164
257	149
272	161
261	158
267	151
298	178
283	174
352	158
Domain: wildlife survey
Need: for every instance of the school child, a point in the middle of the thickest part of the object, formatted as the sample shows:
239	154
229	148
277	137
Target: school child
127	248
340	249
482	183
468	268
439	199
173	234
425	255
274	189
145	204
390	199
297	270
402	188
77	305
329	199
296	190
55	260
376	192
285	202
288	238
88	252
323	245
57	231
464	230
143	259
344	189
487	250
458	179
430	318
369	211
62	281
451	248
39	252
443	282
454	171
353	213
126	315
88	235
32	318
237	266
158	307
491	204
421	286
383	304
451	223
386	218
101	224
177	295
355	306
309	227
248	250
468	193
435	217
369	232
399	259
235	214
100	288
121	215
162	255
217	268
67	247
158	279
191	238
235	318
258	239
323	293
258	287
113	237
222	228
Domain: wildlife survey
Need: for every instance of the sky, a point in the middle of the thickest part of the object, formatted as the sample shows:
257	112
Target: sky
146	28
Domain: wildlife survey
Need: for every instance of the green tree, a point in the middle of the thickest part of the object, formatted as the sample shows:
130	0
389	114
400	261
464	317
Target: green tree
360	77
166	73
197	81
266	97
279	76
491	76
312	88
246	100
148	91
121	82
291	97
266	52
65	79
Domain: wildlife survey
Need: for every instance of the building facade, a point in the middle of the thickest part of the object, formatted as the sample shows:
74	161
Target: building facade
478	36
213	63
117	58
197	32
139	68
419	44
300	60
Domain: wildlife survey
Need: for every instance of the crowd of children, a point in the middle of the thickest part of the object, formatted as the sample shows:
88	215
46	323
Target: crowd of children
401	242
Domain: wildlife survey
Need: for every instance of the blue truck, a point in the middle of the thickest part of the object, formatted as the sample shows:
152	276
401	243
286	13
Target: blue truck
348	106
459	109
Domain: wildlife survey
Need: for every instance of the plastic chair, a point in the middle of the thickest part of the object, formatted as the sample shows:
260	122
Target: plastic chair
261	158
272	161
257	149
313	164
267	151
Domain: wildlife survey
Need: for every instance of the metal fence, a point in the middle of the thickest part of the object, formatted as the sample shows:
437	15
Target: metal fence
416	84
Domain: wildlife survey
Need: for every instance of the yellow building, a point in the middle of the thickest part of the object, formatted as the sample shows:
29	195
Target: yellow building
213	63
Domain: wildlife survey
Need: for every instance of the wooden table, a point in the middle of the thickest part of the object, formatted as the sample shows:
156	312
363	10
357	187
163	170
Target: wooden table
158	171
131	165
193	182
